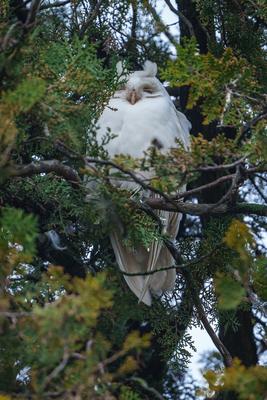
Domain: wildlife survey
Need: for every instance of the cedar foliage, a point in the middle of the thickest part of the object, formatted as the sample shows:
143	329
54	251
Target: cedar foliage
70	327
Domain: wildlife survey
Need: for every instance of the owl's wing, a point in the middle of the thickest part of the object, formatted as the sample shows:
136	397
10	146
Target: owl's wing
183	129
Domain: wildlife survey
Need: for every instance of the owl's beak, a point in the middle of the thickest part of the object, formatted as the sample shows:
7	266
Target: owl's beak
132	97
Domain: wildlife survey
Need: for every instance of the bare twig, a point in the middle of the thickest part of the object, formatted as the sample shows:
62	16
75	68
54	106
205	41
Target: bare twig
58	368
7	36
178	267
134	177
212	168
11	314
250	124
204	187
170	203
230	194
262	195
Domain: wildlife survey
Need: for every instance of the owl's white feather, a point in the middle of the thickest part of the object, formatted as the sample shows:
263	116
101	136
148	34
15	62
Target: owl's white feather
139	113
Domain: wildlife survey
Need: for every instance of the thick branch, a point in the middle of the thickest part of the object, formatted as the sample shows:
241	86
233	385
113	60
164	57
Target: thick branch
181	16
160	24
33	12
45	167
201	209
90	18
54	5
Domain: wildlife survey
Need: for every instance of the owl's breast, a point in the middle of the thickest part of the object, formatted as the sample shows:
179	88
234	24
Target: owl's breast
136	126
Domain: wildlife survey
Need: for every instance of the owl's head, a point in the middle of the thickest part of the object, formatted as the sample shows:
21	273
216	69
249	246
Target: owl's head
139	85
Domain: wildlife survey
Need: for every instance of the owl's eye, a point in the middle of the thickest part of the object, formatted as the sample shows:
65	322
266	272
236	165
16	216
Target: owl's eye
148	89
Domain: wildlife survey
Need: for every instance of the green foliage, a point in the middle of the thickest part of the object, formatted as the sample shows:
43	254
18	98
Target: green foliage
127	394
209	78
67	337
229	291
247	383
18	232
259	275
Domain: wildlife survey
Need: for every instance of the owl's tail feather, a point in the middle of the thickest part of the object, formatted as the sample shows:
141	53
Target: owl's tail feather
159	257
154	252
141	260
128	262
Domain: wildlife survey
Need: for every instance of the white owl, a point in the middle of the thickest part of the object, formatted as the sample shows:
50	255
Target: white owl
142	113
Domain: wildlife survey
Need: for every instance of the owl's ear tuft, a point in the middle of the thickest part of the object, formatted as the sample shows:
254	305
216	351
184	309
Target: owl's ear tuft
150	69
119	68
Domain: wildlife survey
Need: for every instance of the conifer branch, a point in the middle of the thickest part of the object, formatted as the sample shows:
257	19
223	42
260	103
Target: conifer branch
46	166
201	209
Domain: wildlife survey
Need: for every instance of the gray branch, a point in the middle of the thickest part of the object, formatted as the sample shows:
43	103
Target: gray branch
201	209
46	166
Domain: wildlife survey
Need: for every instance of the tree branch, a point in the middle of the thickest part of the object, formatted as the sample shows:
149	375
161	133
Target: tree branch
35	5
221	167
160	24
54	5
197	302
45	167
250	124
201	209
134	177
181	16
177	267
90	18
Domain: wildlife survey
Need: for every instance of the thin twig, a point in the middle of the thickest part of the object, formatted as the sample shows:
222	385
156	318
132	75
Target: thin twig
135	178
177	267
212	168
262	195
250	124
204	187
229	195
58	368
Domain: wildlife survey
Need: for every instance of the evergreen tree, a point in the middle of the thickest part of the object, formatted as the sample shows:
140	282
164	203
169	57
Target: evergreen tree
70	327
